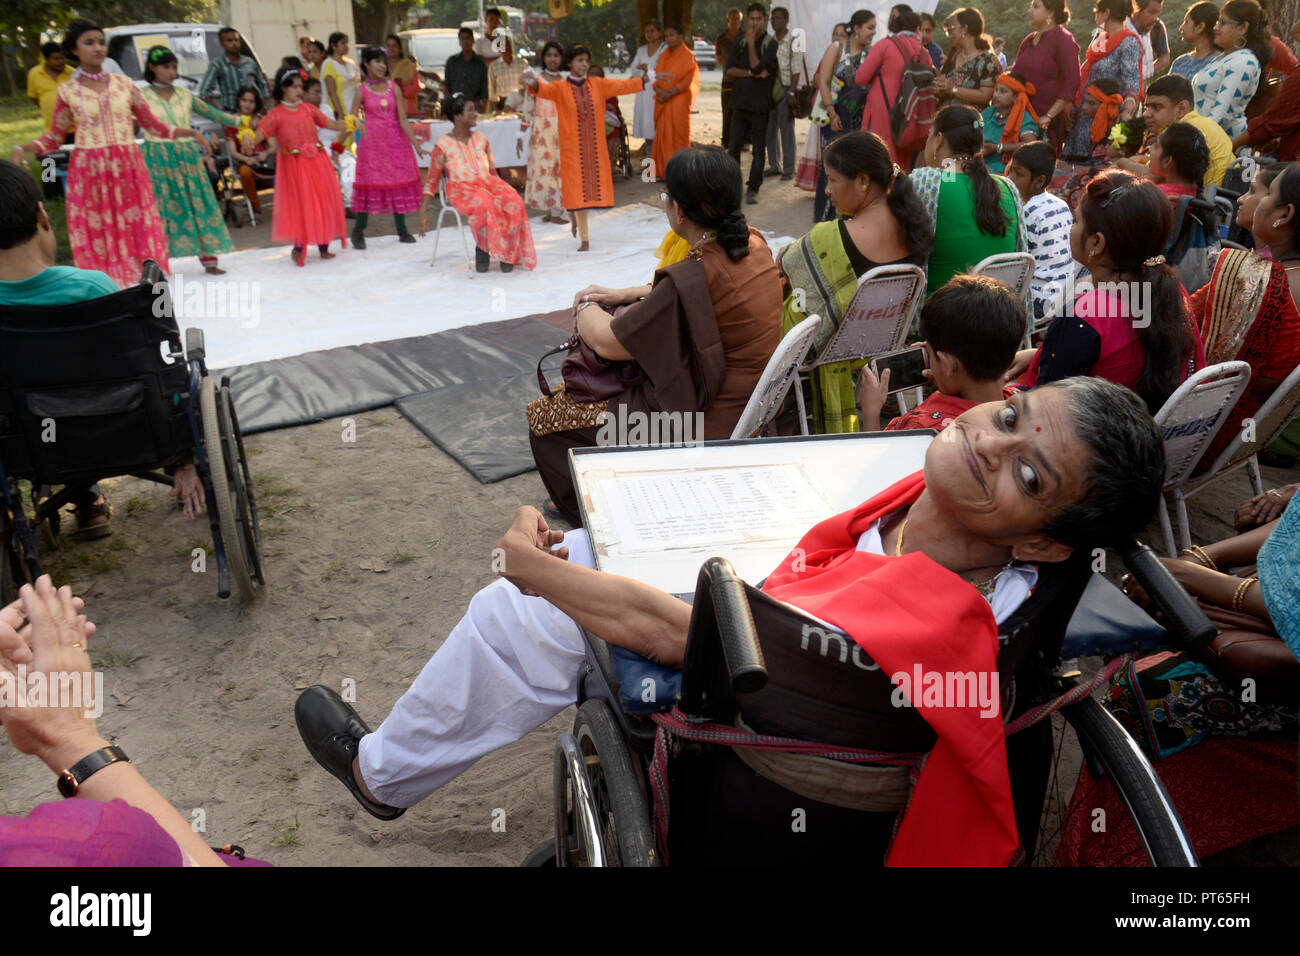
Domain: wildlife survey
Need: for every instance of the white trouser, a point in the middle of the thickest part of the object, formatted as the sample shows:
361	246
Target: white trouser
510	664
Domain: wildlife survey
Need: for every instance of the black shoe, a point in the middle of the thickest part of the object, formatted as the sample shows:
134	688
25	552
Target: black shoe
359	240
350	214
507	266
482	261
331	730
786	177
771	172
405	237
751	197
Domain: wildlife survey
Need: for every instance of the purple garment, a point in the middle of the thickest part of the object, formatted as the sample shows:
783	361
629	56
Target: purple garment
79	832
1052	66
388	178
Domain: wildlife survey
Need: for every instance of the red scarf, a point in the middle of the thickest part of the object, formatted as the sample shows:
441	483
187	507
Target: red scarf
1099	49
1108	108
960	813
1011	131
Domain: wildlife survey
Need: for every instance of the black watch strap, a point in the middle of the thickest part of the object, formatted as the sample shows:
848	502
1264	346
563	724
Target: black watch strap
70	780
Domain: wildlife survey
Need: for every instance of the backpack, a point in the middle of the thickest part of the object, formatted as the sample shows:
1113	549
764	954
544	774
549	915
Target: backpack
1195	238
914	107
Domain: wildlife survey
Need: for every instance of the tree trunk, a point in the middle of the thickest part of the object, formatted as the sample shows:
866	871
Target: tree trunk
681	11
375	19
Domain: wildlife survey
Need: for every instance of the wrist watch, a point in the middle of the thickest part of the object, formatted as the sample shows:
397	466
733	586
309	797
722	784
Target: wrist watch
70	780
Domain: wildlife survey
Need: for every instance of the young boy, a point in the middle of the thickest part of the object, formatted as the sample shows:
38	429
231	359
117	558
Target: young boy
972	328
1087	135
311	92
1048	221
1010	104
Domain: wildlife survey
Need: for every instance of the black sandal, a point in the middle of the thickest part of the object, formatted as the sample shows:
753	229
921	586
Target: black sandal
88	515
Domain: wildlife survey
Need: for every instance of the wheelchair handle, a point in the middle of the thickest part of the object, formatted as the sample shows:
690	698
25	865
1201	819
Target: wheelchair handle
151	273
1186	621
720	593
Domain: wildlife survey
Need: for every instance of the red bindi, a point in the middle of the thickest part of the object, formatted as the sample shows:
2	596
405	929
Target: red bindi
1039	428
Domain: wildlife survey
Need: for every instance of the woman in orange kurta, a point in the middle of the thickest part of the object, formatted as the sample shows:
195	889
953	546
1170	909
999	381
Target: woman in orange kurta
587	182
676	74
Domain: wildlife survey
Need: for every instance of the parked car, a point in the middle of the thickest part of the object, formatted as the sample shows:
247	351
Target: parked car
705	56
195	45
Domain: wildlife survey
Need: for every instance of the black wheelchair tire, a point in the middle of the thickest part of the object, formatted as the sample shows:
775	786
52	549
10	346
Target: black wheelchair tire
1149	807
242	486
619	784
541	856
225	503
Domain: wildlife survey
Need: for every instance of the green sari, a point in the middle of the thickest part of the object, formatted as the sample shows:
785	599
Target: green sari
822	282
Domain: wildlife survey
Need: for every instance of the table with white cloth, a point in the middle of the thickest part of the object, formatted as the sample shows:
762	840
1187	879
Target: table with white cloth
502	134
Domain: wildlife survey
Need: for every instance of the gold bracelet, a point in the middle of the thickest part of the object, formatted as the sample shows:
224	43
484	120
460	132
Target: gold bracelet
1199	554
1238	599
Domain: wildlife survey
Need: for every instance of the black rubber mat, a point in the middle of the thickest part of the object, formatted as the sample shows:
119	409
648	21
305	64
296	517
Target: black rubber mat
485	370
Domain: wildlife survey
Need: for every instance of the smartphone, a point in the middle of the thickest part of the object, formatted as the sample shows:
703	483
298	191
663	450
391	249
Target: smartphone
905	368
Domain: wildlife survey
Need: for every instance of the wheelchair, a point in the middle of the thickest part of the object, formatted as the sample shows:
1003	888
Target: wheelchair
748	653
103	388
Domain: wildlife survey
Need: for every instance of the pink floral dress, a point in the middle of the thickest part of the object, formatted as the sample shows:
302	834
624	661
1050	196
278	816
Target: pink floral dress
542	188
113	221
496	213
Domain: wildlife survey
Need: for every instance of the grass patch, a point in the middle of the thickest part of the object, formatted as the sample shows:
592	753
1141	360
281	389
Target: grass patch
400	557
274	497
171	600
187	551
104	658
292	835
74	561
137	504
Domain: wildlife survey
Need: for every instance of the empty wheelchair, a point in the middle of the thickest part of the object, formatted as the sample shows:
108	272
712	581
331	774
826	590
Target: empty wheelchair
633	783
104	388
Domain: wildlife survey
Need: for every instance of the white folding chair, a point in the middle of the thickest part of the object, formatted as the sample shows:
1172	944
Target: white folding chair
1188	422
1279	411
447	209
782	367
878	319
1014	270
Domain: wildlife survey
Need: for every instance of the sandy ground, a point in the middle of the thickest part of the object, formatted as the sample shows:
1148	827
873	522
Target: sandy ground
373	550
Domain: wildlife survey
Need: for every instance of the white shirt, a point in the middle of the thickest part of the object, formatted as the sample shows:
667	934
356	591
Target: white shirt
1048	221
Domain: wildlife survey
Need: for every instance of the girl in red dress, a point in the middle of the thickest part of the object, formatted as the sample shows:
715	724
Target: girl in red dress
308	203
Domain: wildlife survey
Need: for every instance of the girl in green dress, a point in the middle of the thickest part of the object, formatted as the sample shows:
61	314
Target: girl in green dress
186	201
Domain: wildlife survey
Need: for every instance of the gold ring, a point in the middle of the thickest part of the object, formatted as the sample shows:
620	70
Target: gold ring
78	644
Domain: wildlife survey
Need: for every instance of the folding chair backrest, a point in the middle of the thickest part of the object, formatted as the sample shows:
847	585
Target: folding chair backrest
775	381
1281	408
878	317
1013	269
1192	416
95	373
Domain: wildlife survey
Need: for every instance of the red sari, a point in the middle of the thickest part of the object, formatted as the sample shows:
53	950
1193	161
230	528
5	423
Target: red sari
1246	313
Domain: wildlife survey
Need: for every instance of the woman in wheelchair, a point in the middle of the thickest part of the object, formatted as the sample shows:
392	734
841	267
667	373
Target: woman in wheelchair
1008	486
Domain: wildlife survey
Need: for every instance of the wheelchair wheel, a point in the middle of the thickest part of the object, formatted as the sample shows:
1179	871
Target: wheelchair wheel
222	473
1154	816
599	787
242	484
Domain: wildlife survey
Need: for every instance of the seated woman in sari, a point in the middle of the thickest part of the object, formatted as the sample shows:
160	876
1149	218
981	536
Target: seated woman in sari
700	335
974	213
1248	309
1226	757
881	222
496	214
1120	227
1027	482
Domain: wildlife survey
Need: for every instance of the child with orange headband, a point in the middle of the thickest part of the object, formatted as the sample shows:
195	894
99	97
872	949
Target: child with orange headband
1098	112
1009	120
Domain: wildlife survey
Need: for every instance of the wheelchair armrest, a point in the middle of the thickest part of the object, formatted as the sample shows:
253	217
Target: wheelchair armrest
1187	622
151	273
194	344
722	621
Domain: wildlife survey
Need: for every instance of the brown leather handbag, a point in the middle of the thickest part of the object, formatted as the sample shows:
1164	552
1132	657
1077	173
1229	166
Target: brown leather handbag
587	376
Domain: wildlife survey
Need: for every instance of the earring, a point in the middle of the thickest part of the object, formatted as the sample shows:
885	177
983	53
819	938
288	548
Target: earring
1277	223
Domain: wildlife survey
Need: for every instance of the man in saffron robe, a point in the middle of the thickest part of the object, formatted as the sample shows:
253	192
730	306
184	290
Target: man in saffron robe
586	180
1010	485
676	76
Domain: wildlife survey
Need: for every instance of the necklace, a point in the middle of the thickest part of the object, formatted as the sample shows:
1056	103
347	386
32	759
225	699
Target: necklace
697	247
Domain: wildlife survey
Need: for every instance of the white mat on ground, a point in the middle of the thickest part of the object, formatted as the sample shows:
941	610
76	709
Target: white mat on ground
265	307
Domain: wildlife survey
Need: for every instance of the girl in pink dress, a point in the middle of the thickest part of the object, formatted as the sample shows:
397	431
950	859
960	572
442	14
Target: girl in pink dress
308	203
496	214
113	222
388	176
